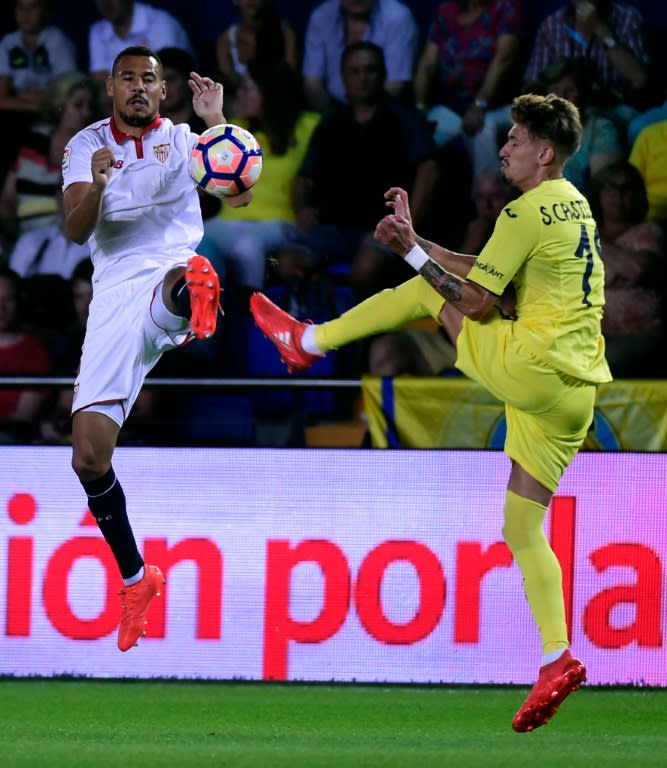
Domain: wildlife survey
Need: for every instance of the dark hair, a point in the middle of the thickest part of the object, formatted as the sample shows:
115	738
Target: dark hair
582	72
282	101
270	40
364	45
178	59
83	271
136	50
637	187
550	117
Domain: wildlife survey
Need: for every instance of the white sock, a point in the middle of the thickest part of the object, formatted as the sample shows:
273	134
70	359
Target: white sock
138	576
308	341
547	658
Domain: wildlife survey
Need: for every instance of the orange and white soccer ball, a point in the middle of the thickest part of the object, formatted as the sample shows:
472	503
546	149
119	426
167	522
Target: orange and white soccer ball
226	160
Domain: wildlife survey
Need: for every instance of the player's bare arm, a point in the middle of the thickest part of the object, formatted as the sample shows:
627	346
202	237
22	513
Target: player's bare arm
449	278
82	201
207	99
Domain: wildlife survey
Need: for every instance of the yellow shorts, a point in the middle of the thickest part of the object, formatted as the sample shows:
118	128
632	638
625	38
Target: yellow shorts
548	412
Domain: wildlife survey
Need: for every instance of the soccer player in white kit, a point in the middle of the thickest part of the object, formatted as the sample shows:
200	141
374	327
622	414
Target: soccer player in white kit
129	193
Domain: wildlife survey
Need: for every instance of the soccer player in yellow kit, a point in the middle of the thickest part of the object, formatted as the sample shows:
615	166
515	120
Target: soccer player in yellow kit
525	317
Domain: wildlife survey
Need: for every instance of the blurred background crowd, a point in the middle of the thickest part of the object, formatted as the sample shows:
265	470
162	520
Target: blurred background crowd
347	98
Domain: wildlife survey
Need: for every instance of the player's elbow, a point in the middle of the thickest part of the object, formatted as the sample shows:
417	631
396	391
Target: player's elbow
479	304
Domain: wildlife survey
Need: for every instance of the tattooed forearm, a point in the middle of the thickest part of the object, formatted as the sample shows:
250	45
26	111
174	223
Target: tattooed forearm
444	282
425	245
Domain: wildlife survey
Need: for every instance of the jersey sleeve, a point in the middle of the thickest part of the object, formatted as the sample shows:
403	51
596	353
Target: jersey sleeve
76	160
514	237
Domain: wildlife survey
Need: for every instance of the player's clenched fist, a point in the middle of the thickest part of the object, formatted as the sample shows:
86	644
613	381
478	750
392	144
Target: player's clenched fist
101	164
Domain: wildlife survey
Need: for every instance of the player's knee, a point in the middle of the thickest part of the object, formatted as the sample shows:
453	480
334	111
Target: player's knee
87	464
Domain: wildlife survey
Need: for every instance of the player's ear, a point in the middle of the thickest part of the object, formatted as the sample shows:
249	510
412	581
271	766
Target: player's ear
547	154
163	90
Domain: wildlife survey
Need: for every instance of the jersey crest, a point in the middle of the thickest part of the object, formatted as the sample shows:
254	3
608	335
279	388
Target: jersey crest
161	152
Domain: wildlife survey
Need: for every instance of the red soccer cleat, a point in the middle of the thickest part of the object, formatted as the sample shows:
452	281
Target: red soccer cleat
555	683
284	331
204	287
134	602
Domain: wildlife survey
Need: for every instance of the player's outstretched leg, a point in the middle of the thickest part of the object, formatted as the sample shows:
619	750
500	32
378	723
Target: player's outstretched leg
283	330
555	683
203	286
134	602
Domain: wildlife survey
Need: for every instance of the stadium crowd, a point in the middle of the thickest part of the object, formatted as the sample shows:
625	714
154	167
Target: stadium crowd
347	98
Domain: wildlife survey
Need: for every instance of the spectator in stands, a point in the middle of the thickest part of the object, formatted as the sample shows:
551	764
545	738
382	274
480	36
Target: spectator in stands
29	193
125	23
649	155
21	353
177	102
647	117
259	32
335	24
424	349
354	152
46	250
463	77
611	36
31	55
601	143
270	103
633	252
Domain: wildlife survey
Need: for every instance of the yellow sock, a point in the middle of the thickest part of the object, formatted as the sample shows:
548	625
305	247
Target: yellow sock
386	311
541	571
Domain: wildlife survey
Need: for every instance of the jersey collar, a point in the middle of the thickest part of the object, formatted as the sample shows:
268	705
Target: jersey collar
121	136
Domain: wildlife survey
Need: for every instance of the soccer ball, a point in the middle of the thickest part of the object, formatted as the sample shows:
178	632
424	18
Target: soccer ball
226	160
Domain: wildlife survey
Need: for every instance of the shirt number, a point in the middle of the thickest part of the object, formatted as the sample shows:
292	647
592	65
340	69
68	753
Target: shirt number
585	251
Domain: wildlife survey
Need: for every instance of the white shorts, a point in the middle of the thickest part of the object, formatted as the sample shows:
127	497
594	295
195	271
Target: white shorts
123	343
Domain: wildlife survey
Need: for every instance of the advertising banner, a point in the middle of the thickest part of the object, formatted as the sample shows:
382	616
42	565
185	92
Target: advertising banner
329	565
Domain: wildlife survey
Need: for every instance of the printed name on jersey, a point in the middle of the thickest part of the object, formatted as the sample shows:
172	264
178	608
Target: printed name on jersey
488	268
575	210
161	152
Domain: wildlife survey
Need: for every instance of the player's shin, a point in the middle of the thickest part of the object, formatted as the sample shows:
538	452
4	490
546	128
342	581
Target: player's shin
388	310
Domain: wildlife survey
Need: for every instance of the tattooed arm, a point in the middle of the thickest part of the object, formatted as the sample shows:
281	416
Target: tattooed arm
445	270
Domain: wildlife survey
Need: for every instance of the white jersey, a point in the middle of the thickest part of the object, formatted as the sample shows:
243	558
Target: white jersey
151	216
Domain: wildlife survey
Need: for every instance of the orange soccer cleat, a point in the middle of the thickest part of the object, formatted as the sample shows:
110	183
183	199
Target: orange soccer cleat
204	288
555	683
284	331
134	602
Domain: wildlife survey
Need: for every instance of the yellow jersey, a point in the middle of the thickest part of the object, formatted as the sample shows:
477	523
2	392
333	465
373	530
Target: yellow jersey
547	244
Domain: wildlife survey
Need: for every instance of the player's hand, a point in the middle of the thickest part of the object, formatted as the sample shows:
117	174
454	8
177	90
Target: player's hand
207	96
101	165
238	201
397	199
395	230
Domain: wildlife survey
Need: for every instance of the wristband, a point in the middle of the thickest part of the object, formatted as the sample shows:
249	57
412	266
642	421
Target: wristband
416	257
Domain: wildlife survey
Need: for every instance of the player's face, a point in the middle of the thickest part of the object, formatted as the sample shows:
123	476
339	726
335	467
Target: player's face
136	88
521	157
